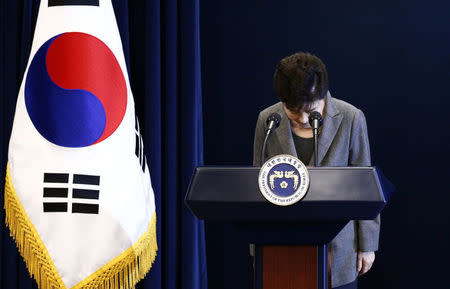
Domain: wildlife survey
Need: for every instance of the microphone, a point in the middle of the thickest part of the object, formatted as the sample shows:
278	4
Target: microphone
315	120
273	121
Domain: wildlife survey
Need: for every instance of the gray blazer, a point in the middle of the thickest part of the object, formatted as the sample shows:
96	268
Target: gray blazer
343	142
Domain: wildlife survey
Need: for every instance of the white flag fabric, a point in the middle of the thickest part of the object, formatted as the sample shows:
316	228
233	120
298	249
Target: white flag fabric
78	197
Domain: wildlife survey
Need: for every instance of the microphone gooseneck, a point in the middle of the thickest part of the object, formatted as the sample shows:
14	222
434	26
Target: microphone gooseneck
315	120
273	121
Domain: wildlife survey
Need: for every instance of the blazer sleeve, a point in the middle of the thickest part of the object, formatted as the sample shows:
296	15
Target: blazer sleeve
258	141
368	230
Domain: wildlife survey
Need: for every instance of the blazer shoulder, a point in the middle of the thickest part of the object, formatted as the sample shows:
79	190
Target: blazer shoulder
348	110
277	107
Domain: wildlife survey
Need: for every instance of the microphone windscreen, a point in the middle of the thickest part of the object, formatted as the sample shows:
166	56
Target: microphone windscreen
315	115
275	117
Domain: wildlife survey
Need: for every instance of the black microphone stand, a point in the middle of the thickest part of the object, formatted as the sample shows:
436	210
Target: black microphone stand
263	153
315	120
273	121
316	141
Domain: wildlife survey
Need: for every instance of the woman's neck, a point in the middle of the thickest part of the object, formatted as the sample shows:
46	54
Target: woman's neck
301	132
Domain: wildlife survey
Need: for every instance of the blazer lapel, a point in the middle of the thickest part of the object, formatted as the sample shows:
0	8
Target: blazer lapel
331	123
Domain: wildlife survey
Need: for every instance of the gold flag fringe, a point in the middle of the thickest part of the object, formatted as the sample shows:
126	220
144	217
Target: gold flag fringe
30	245
122	272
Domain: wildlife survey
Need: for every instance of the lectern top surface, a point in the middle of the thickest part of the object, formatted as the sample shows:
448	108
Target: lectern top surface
240	184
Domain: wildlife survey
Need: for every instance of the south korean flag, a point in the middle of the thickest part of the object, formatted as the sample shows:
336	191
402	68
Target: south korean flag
78	197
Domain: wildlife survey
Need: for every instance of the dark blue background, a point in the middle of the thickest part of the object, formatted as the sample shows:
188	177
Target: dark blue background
389	58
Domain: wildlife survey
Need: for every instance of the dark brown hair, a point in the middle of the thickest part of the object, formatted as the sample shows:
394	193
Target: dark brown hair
300	79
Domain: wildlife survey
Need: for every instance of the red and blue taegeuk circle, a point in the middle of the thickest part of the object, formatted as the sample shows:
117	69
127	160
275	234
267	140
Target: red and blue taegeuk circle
75	91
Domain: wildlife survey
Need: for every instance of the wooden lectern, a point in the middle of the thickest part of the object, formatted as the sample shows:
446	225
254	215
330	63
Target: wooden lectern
291	251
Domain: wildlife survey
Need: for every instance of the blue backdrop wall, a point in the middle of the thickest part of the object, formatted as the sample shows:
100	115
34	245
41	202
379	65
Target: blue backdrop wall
389	58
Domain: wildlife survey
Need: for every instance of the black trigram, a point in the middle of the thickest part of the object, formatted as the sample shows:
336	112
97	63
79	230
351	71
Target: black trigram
139	149
72	2
83	187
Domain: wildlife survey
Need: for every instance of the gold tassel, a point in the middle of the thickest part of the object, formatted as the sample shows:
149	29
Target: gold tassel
122	272
30	245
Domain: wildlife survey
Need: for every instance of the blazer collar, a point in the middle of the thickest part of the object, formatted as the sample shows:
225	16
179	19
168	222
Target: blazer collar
331	121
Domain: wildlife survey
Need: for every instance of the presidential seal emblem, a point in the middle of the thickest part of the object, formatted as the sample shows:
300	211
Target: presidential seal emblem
283	180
